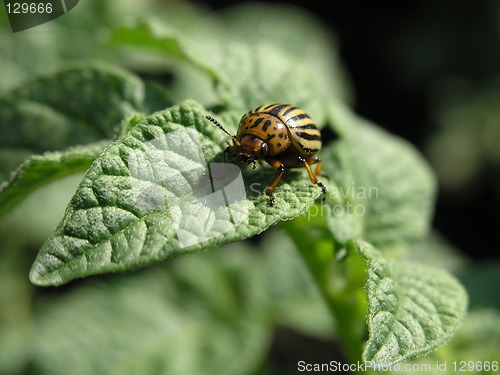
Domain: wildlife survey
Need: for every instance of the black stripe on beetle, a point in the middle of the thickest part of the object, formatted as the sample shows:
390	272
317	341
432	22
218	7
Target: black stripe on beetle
276	110
309	150
308	136
306	126
298	117
257	122
290	109
264	108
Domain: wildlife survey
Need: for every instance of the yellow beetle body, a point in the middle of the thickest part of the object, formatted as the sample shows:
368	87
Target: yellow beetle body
282	135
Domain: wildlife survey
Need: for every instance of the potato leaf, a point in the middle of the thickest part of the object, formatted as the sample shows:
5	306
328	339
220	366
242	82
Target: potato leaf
249	65
412	308
160	320
148	197
58	124
382	189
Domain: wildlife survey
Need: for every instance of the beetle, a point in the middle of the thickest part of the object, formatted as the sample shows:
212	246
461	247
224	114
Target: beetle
281	134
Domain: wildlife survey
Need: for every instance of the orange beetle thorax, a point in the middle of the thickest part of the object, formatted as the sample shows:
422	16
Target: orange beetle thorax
251	148
270	129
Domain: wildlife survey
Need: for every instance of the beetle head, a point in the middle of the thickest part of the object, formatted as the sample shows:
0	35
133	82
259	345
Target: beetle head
250	148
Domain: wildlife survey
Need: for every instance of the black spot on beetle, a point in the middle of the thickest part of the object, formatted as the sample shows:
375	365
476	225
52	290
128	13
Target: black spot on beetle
279	145
266	125
270	136
281	135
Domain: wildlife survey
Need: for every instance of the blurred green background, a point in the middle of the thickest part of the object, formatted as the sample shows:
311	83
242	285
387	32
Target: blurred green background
428	71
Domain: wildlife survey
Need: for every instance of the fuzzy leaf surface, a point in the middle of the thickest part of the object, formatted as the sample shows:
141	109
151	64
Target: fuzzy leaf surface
123	217
412	308
382	189
57	124
283	60
159	320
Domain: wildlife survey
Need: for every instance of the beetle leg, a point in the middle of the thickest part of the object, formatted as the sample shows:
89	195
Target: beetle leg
312	176
281	169
317	171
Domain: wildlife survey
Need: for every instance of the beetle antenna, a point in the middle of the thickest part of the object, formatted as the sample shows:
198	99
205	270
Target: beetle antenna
217	123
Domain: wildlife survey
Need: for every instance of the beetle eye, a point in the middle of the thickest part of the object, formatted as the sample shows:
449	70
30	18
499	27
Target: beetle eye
264	149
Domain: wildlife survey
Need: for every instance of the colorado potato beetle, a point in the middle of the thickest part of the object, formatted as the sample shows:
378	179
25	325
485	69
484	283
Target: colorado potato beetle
282	135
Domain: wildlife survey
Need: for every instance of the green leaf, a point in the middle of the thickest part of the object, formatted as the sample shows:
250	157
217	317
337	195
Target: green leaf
294	30
92	98
34	219
436	251
381	188
161	320
479	338
467	134
473	350
38	170
55	125
285	59
412	308
148	198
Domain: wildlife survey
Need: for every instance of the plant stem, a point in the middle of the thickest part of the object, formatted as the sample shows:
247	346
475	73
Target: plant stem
341	284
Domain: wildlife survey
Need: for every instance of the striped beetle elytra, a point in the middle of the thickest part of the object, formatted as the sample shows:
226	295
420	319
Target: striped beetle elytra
281	134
